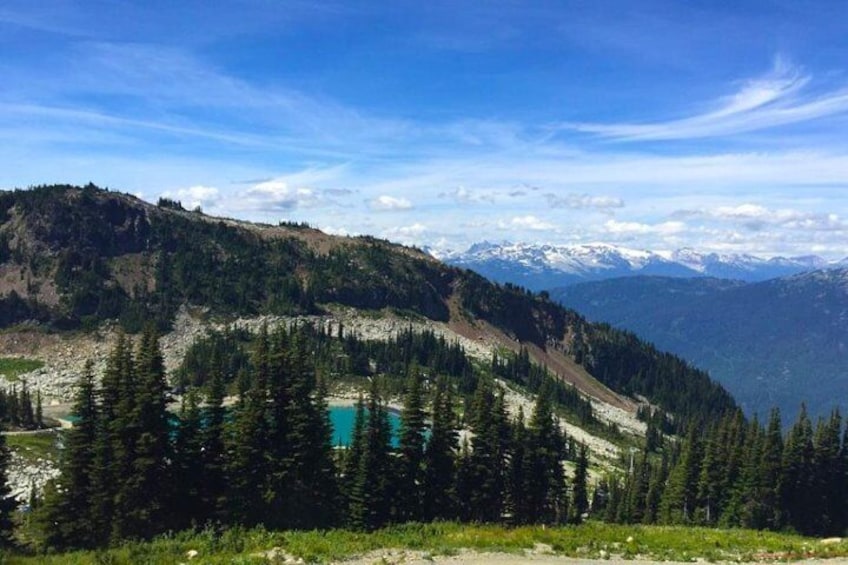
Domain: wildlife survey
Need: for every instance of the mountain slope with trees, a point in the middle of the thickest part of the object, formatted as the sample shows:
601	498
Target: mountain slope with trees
772	344
72	257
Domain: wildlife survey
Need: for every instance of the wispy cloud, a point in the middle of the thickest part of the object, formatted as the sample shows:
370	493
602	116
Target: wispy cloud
756	217
777	99
462	195
581	201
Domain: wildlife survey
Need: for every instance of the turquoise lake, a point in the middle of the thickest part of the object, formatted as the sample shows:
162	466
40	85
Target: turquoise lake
342	418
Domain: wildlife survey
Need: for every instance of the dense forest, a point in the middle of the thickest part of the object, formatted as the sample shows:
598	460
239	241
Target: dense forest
738	473
132	470
129	472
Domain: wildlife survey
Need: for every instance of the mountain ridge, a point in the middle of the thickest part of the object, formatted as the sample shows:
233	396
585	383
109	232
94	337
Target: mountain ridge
775	342
546	266
74	257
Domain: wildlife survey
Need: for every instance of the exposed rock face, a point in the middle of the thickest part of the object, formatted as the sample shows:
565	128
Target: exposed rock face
24	474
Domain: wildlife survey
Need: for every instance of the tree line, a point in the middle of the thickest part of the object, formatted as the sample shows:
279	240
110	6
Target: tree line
131	470
18	408
739	473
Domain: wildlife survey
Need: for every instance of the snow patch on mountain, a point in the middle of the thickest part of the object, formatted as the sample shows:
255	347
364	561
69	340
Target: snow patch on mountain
539	266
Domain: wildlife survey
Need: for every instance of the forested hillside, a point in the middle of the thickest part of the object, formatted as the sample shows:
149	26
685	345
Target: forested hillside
772	344
75	256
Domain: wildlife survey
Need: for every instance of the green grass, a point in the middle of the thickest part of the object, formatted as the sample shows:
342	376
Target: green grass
591	540
14	367
31	447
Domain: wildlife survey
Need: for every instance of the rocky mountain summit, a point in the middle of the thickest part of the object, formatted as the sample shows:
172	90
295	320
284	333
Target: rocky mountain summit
545	266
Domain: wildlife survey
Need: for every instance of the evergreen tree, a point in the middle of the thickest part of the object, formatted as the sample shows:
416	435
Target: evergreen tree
770	472
67	518
518	470
636	491
187	506
656	488
411	451
309	485
680	496
353	458
142	500
711	479
580	495
370	496
827	493
545	496
797	472
115	440
246	462
440	457
486	488
214	486
744	507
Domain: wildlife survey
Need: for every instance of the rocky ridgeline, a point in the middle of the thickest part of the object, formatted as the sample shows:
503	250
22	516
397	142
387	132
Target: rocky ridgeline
65	355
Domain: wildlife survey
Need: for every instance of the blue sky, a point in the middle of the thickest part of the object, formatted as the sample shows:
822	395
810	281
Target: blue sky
651	124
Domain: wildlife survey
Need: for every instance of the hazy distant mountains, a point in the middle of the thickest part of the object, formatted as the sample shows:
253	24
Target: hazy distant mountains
771	343
541	267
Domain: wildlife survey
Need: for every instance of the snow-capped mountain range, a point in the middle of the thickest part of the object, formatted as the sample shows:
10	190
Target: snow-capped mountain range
545	266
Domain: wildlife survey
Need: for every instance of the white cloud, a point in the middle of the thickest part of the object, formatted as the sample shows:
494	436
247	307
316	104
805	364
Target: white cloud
773	100
663	228
194	196
528	222
278	195
387	203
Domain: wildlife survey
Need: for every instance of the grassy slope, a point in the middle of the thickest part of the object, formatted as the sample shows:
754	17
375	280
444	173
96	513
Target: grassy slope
13	367
591	540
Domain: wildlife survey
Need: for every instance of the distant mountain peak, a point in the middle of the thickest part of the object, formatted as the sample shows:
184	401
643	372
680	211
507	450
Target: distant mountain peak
545	265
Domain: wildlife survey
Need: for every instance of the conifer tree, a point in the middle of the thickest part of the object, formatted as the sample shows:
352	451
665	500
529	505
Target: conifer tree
711	485
656	488
247	466
486	488
309	487
370	498
679	498
353	458
440	457
797	472
517	482
580	495
142	500
770	471
115	440
66	518
744	508
187	506
545	479
827	489
636	491
214	485
411	451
